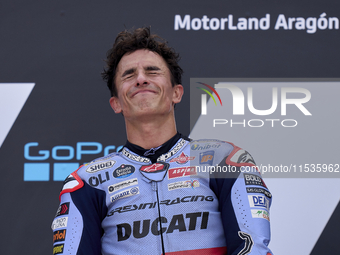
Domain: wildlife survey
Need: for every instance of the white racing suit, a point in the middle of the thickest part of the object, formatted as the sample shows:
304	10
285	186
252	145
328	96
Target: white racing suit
200	197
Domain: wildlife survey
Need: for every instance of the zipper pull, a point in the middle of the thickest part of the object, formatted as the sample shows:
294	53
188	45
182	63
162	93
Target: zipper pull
154	186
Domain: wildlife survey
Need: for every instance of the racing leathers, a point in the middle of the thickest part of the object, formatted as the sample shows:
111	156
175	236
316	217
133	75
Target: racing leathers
198	197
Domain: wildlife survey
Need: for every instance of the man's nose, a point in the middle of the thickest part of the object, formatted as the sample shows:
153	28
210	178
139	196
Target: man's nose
141	79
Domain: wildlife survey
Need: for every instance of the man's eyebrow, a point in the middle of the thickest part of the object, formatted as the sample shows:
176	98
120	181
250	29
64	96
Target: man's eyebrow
152	68
148	68
129	71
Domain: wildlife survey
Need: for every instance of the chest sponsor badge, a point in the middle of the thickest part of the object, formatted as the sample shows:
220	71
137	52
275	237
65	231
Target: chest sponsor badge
182	159
155	168
122	185
125	193
183	184
181	172
100	166
123	171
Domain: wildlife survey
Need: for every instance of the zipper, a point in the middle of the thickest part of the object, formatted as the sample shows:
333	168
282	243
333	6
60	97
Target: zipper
155	188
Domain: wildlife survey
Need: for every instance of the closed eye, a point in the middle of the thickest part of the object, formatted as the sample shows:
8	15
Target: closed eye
129	73
152	68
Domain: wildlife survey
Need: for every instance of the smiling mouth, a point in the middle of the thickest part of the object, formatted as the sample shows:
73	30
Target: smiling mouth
143	92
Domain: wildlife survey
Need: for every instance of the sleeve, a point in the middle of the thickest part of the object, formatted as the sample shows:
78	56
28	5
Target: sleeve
244	202
77	223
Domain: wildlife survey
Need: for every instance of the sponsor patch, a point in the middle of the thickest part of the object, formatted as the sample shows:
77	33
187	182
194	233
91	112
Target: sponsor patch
167	202
260	214
183	185
182	159
122	185
178	146
155	168
181	172
207	157
198	147
125	193
195	183
259	190
59	236
179	185
94	181
134	157
57	249
59	223
123	171
100	166
258	201
175	224
63	209
253	179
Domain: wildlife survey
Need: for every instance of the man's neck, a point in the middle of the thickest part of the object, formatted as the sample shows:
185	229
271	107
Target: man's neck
150	134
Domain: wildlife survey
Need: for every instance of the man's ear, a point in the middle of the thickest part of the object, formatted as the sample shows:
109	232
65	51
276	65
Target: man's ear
115	105
177	93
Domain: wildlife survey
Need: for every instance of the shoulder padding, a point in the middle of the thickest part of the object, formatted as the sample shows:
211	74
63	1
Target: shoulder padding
239	157
72	183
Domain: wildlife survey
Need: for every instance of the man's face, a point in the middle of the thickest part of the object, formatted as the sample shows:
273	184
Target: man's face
144	86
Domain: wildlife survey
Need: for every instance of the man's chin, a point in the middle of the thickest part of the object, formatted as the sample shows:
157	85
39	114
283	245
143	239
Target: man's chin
148	112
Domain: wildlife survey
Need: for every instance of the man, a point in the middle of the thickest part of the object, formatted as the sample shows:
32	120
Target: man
155	195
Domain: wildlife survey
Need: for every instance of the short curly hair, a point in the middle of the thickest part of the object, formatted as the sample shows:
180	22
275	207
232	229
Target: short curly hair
140	38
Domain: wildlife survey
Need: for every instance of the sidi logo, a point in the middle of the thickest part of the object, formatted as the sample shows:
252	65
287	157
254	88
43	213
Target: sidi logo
239	99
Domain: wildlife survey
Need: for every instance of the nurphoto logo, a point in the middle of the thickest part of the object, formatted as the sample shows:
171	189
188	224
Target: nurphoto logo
281	101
